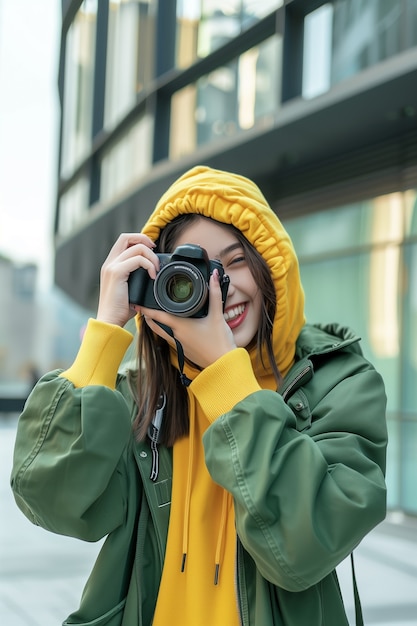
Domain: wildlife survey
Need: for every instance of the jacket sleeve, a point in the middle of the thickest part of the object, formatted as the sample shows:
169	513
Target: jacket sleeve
68	472
304	500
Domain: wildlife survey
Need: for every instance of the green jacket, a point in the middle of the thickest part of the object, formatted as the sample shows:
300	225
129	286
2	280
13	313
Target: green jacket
306	472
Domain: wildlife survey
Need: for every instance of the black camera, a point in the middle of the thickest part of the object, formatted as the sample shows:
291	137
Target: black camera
181	285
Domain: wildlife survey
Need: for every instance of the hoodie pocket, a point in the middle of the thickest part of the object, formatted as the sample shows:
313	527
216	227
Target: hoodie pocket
111	618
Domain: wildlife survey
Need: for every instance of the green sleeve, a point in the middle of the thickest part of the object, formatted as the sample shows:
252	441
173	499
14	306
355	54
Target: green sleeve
68	471
304	500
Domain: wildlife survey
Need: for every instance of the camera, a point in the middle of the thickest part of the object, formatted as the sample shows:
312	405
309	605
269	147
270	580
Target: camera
181	284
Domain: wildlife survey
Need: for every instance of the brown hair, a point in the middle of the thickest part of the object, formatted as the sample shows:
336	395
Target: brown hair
157	374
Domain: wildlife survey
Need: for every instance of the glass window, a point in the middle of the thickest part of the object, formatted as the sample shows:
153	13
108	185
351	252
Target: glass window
347	293
358	266
230	99
130	55
205	25
409	351
73	206
409	466
317	51
411	23
128	160
78	88
344	37
411	211
393	478
364	33
380	220
329	230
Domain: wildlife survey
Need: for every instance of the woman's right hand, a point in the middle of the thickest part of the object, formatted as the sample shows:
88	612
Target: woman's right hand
131	251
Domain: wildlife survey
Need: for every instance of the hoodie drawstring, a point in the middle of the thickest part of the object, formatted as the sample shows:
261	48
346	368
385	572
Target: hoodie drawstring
187	502
221	535
187	505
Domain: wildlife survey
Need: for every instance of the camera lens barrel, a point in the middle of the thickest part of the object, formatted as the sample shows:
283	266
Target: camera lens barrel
180	288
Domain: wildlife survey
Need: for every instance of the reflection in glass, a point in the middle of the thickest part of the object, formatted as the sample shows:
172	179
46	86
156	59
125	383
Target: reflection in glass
409	352
205	25
78	88
387	226
344	37
364	33
411	211
408	462
232	98
358	265
130	58
393	476
127	161
317	51
73	206
409	357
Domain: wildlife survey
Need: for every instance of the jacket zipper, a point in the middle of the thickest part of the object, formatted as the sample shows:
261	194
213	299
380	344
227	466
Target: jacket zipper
309	367
294	382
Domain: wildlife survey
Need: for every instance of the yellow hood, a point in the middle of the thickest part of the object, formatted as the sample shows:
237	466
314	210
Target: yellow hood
236	200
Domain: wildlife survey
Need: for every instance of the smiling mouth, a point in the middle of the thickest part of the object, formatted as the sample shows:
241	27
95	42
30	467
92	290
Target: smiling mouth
234	312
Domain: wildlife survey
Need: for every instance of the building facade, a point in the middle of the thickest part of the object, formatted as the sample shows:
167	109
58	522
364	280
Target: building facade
315	101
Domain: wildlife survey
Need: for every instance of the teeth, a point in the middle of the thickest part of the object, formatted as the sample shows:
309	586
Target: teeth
234	312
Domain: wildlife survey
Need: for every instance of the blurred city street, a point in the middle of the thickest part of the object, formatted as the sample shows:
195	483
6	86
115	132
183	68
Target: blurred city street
42	575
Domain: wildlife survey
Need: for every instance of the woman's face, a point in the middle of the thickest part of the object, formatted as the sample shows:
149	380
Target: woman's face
243	304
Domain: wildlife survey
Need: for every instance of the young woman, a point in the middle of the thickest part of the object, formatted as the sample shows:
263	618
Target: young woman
238	461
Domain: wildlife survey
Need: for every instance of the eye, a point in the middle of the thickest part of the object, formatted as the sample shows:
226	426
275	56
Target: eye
239	258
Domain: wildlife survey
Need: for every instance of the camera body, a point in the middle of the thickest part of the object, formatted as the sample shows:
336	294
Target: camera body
181	285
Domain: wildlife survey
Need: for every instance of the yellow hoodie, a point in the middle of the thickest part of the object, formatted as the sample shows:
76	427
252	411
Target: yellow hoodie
236	200
202	534
197	586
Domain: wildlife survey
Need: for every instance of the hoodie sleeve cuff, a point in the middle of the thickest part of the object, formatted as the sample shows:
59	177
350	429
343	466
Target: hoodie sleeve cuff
224	383
100	354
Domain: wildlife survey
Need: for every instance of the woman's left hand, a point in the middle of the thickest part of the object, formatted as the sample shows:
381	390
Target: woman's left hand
205	339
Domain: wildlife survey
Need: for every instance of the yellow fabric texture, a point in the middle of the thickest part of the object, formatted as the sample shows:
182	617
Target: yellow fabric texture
235	372
202	522
202	525
98	359
201	541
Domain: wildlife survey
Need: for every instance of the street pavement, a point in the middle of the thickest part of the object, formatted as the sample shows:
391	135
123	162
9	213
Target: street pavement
42	575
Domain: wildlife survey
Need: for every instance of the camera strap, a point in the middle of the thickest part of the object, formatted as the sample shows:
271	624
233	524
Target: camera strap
184	378
154	434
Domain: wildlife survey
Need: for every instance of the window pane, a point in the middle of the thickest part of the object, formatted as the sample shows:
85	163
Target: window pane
330	230
205	25
127	161
78	88
358	266
409	350
393	464
364	33
233	98
380	220
344	37
130	58
409	466
348	293
317	51
411	212
73	206
411	23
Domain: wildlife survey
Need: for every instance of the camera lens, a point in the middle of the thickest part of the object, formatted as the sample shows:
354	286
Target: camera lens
180	288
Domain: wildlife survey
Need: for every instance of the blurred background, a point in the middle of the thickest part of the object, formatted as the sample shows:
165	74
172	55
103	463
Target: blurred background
104	103
39	324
